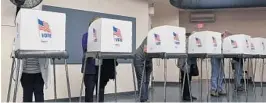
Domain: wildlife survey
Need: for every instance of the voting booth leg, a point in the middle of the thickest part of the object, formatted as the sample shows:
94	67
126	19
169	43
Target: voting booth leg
152	85
55	94
115	82
207	71
201	79
134	82
99	78
253	77
68	83
245	82
229	80
16	82
142	79
261	82
165	78
10	79
82	82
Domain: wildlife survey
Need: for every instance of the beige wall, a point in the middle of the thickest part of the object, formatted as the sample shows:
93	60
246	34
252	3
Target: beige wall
247	21
165	14
132	8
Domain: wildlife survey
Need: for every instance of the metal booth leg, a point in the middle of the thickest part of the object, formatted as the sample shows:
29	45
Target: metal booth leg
99	78
165	77
261	87
82	82
10	79
142	79
229	79
68	83
16	82
115	81
207	74
134	81
245	82
55	94
201	79
253	78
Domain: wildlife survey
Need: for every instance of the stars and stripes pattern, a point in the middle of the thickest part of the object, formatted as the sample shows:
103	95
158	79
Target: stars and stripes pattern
157	39
44	26
94	35
214	42
117	33
198	42
234	44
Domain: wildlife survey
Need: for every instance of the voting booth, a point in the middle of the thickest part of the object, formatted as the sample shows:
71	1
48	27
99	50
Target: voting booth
205	42
110	35
40	34
257	46
237	44
108	39
166	39
166	42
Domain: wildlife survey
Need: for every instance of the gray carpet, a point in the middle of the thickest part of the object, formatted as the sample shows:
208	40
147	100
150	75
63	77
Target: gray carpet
173	94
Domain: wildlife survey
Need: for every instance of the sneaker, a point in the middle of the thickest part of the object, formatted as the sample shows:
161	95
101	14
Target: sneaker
241	88
214	93
222	92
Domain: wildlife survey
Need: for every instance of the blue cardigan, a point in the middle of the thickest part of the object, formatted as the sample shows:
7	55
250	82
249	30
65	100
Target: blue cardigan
90	65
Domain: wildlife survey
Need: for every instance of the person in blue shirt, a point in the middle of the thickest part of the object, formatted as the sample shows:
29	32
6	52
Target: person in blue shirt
91	72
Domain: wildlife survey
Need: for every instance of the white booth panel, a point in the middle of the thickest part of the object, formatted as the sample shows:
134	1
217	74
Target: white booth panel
205	42
40	30
237	44
110	35
166	39
264	46
257	46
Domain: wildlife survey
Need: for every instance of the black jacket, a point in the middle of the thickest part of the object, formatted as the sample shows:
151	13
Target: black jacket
108	68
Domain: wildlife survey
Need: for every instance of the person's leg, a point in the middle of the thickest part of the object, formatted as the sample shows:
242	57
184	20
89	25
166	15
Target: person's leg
89	82
215	65
139	70
238	74
146	83
221	82
103	82
38	88
27	85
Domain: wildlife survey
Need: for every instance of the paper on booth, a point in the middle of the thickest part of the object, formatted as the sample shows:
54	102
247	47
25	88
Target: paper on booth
205	42
166	39
110	35
237	44
40	30
257	46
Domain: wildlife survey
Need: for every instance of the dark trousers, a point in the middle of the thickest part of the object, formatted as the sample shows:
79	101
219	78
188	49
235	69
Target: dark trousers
186	92
90	81
32	83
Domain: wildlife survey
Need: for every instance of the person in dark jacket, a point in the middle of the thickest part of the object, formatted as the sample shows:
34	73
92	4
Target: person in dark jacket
140	58
91	72
237	65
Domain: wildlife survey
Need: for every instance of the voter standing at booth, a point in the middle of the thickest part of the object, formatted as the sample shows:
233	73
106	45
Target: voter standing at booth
140	58
237	65
217	75
91	72
192	70
35	74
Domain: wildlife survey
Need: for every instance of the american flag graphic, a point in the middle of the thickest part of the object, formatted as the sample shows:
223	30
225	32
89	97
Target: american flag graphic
176	38
247	43
263	46
198	42
234	44
117	34
214	42
44	26
157	39
94	35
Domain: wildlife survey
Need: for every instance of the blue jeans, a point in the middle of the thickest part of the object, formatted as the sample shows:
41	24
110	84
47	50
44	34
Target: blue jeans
217	75
238	73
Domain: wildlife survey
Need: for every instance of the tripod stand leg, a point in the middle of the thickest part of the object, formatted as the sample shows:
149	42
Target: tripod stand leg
134	82
68	83
82	82
16	82
98	82
10	79
165	78
55	94
115	81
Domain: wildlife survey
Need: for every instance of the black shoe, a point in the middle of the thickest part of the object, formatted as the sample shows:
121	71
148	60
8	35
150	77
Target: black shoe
241	88
189	99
